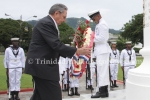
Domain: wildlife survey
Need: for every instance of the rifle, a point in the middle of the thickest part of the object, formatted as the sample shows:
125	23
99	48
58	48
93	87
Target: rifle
96	75
68	82
111	85
91	76
87	74
123	77
7	81
86	78
62	81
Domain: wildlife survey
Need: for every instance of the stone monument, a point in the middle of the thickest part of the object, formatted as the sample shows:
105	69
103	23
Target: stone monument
138	82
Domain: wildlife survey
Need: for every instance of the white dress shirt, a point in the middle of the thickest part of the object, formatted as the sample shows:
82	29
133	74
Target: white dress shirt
55	24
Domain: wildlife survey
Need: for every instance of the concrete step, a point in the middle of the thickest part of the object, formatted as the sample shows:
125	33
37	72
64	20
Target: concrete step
72	99
113	95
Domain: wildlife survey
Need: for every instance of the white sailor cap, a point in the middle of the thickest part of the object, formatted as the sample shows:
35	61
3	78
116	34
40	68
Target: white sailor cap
92	13
129	42
67	44
14	39
113	42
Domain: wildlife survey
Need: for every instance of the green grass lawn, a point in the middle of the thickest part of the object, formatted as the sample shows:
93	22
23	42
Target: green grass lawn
26	80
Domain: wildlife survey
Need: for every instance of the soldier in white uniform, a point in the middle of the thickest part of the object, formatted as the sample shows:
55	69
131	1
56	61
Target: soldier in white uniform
127	59
65	64
14	62
92	68
114	61
101	51
61	68
74	83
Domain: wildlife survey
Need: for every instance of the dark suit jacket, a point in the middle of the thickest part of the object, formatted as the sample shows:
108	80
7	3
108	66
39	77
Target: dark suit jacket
44	51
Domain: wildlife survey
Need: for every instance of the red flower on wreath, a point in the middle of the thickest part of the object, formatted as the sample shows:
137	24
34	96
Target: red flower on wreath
79	28
79	34
87	22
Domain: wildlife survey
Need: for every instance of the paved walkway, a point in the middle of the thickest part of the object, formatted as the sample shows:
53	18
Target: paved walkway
85	94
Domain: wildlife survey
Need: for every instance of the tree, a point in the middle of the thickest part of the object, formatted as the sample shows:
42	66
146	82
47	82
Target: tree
133	30
11	28
65	33
121	43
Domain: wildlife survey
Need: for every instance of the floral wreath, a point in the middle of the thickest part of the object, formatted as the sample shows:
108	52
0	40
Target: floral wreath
83	37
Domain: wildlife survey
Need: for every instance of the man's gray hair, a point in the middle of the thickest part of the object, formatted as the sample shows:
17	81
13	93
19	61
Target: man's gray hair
57	7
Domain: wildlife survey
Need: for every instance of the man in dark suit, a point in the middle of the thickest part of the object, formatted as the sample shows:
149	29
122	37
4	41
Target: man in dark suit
43	55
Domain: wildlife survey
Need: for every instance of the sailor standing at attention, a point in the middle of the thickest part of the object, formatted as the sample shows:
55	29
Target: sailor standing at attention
101	51
127	59
114	61
14	62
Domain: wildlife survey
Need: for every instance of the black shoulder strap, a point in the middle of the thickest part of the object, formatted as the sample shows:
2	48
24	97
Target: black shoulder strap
129	54
15	54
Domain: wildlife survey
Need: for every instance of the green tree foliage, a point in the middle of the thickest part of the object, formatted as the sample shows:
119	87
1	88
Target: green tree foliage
133	30
121	43
66	33
14	28
11	28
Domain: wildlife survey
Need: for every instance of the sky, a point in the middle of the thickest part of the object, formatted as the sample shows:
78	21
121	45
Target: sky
115	12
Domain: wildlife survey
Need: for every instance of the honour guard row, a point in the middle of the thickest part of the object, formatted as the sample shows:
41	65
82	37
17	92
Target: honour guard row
105	60
126	58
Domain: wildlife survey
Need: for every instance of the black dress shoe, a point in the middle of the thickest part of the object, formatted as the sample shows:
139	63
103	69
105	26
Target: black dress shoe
17	98
12	98
65	88
72	92
76	91
115	85
103	93
88	87
91	87
97	95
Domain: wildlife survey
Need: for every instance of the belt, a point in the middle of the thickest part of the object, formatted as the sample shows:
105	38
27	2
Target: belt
15	68
14	60
128	66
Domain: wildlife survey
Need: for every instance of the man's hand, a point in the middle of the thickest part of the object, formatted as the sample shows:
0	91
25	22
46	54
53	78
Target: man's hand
84	51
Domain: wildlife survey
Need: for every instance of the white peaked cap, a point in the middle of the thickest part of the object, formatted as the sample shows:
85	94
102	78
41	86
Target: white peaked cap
92	13
113	42
67	44
129	42
14	39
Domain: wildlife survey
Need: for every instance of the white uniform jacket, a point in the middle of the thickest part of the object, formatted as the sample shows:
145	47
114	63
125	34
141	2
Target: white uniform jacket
10	61
127	58
101	38
114	56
